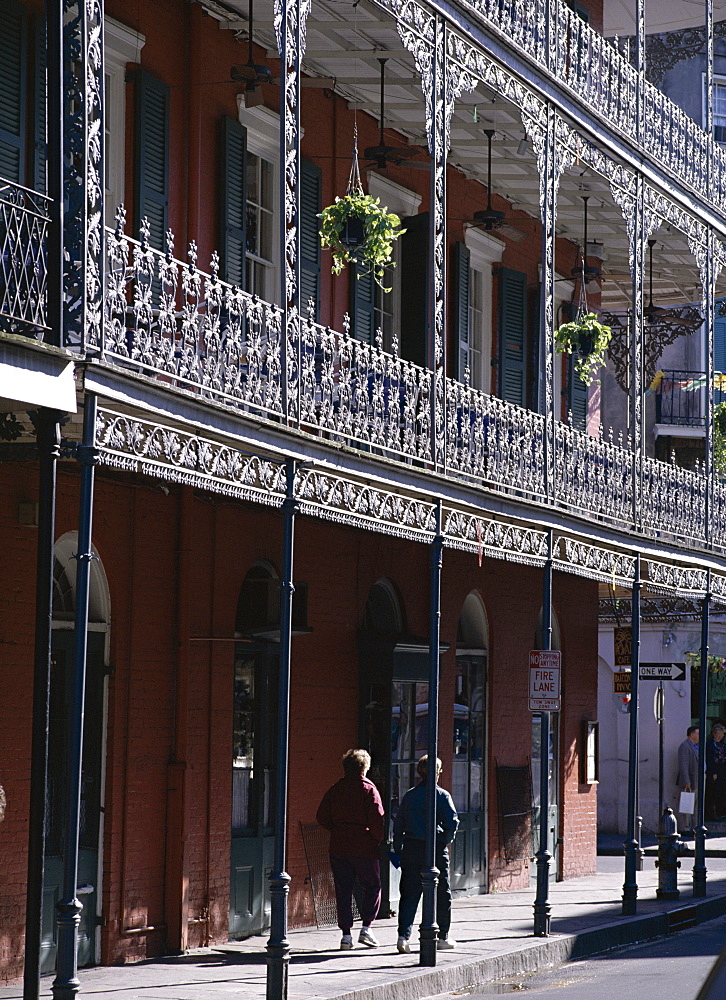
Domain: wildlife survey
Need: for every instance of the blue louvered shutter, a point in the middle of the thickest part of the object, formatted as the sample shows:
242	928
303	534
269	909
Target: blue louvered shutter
512	335
576	395
40	142
310	208
13	68
719	352
233	200
460	275
152	156
362	305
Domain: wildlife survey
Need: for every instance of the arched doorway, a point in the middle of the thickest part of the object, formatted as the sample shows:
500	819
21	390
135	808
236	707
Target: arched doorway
394	670
256	663
90	866
468	787
553	762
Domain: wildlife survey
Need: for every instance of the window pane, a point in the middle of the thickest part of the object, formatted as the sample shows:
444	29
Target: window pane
422	720
460	786
401	728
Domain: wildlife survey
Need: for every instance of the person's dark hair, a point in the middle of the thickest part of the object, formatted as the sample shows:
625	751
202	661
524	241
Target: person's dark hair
356	762
422	768
691	729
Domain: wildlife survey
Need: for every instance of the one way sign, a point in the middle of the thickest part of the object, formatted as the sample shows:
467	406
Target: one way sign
662	672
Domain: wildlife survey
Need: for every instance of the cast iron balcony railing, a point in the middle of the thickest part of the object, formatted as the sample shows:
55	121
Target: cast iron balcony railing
680	398
598	74
189	330
24	219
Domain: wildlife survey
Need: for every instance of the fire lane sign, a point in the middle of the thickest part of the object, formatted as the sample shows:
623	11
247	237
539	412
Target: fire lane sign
544	680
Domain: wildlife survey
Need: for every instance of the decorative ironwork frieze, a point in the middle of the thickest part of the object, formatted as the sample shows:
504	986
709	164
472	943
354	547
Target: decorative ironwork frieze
686	581
360	505
618	610
168	453
494	539
595	562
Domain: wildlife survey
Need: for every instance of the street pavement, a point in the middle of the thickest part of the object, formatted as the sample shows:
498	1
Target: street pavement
494	935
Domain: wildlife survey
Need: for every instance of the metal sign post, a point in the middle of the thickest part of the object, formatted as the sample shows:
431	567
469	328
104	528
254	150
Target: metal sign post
543	680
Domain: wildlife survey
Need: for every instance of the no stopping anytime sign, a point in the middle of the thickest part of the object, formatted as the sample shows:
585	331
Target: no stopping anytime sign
544	680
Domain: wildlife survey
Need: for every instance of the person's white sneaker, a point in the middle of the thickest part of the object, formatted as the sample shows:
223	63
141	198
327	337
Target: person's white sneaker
445	944
404	948
367	938
346	942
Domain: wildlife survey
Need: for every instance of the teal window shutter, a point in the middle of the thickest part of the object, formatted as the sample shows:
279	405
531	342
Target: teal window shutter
512	335
13	68
40	143
362	305
152	156
310	208
460	306
576	394
414	288
233	200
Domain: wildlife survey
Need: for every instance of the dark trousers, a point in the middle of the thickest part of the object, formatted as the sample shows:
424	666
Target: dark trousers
412	861
368	872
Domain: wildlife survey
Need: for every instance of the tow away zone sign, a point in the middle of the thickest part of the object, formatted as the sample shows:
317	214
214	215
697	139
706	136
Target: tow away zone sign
544	680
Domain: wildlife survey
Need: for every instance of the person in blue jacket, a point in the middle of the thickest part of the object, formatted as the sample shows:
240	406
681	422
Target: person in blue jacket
409	840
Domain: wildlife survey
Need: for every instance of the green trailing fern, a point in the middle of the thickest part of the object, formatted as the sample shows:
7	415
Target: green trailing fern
380	229
588	338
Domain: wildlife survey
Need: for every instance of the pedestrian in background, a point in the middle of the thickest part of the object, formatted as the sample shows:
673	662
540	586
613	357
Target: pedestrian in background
353	812
409	840
716	773
688	774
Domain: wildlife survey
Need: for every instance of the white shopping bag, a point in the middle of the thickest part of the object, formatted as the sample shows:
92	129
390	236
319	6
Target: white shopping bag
687	803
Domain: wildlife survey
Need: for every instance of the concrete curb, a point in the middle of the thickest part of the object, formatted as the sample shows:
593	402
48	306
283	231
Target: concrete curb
535	955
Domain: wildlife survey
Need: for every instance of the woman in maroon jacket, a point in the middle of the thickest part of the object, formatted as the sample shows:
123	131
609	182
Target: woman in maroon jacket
353	812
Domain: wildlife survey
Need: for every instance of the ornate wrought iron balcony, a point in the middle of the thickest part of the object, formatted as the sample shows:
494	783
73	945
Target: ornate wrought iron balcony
24	218
597	73
680	398
190	331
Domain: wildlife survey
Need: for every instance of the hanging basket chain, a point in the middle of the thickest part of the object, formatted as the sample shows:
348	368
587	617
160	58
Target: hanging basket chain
355	185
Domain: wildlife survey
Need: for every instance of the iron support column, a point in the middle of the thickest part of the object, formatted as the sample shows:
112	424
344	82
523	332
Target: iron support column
542	908
429	931
439	102
290	21
630	885
548	204
48	433
278	947
66	984
699	865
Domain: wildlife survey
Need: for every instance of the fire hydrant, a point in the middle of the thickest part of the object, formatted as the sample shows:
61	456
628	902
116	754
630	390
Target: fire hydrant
670	848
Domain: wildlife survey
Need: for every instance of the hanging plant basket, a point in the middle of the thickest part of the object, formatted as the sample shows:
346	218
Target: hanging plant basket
354	233
359	230
587	338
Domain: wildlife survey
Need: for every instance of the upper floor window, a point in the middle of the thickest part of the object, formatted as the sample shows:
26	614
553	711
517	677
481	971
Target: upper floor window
387	305
719	110
123	46
262	201
260	225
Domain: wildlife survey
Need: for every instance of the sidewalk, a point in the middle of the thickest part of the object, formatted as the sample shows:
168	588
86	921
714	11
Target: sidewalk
494	935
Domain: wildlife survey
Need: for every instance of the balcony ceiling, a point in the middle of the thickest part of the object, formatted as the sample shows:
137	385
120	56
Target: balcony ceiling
660	15
345	43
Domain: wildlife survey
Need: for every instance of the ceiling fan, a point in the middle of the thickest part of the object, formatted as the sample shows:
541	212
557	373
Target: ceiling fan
490	218
658	314
383	154
253	75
